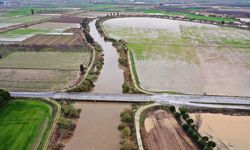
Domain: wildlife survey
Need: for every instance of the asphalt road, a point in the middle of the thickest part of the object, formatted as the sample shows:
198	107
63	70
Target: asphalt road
189	100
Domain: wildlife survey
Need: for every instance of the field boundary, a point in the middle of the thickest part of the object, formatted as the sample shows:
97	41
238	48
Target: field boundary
137	123
86	74
52	129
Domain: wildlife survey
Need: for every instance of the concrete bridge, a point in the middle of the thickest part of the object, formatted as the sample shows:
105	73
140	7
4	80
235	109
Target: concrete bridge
188	100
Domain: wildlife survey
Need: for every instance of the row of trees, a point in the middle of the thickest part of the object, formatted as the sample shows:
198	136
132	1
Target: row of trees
192	127
4	97
126	128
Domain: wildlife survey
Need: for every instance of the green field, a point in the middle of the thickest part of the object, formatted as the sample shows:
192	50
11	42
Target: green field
23	31
23	124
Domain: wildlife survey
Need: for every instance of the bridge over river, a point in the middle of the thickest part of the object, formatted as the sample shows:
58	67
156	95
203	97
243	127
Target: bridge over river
189	100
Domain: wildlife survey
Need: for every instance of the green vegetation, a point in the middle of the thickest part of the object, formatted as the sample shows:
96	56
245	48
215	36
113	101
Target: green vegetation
126	128
191	16
4	97
23	31
188	125
24	124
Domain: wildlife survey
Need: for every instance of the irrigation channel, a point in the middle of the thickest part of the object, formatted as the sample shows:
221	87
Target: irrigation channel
97	126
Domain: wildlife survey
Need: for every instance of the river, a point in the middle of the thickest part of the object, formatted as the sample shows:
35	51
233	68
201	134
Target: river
110	79
97	126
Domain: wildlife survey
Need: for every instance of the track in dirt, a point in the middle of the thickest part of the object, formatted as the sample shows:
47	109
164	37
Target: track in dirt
162	132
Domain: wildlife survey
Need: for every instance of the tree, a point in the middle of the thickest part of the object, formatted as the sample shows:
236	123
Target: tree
185	127
177	115
89	38
32	11
126	132
126	118
172	108
211	144
205	138
198	121
82	70
185	116
183	110
190	121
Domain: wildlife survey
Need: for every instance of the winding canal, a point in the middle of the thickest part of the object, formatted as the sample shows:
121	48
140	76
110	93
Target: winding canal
111	77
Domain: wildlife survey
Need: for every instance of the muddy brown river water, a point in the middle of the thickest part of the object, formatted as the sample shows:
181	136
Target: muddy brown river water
97	127
111	77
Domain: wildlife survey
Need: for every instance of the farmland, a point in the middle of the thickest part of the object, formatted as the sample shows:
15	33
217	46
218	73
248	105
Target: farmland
169	133
186	57
23	124
43	70
55	40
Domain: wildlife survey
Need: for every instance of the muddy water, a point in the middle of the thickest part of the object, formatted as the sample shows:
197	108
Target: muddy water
97	127
229	132
111	77
188	59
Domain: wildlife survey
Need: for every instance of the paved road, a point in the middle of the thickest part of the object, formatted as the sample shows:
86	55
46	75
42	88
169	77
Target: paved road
192	100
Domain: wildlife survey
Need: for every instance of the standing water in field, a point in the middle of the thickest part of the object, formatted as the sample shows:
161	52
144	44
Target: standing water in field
111	76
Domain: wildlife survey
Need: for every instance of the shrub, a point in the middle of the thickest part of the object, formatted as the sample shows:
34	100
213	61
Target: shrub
2	101
177	115
122	125
126	118
128	145
190	121
125	88
190	131
126	132
66	124
183	110
70	112
195	136
172	108
211	144
205	138
202	143
185	116
185	127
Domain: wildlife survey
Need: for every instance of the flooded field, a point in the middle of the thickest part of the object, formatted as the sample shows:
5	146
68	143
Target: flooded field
186	57
110	79
229	132
163	132
97	127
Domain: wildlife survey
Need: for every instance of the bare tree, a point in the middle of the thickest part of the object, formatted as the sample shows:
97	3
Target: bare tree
198	121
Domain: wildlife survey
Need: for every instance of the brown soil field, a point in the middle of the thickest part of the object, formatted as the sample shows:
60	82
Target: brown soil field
68	19
163	132
55	40
35	80
55	25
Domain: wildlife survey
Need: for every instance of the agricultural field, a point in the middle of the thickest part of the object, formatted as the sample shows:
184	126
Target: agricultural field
55	25
23	124
163	132
41	71
228	131
186	57
55	40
